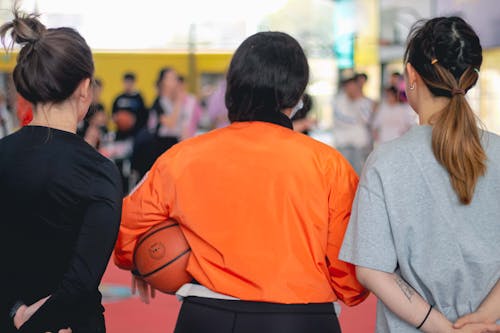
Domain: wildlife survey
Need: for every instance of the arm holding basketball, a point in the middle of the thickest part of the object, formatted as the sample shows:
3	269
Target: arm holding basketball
145	207
343	277
91	254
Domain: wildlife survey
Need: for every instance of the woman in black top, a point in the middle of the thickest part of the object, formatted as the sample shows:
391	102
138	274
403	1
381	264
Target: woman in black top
60	201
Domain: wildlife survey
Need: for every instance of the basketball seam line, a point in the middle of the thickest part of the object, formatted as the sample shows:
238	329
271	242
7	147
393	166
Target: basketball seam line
154	232
165	265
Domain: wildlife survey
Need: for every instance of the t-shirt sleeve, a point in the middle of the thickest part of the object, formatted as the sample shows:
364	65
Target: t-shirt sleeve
145	207
342	274
368	241
90	256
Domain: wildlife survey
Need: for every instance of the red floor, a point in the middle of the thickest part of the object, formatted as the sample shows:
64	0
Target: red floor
130	315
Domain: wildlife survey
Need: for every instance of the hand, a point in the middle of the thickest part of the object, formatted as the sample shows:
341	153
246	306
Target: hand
66	330
478	328
145	290
24	312
473	318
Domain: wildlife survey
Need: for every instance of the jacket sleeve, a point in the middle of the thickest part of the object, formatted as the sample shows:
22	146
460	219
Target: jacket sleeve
344	181
145	207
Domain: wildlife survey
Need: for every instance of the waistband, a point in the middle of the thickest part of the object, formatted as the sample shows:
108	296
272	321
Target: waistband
261	307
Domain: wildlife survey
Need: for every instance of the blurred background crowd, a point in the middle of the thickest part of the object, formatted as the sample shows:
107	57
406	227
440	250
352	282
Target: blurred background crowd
160	69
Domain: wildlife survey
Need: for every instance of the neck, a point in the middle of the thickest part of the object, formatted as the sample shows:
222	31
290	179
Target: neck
429	106
57	116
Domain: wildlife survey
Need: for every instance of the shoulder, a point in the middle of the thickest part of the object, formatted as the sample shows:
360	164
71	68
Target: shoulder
395	156
491	142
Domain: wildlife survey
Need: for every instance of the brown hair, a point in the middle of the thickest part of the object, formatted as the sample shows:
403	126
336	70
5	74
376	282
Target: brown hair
447	54
51	63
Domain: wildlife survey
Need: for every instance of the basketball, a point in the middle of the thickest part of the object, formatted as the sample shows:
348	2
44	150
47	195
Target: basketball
161	256
124	120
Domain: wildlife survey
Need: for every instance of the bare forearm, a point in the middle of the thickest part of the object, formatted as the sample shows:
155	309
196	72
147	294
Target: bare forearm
491	304
403	300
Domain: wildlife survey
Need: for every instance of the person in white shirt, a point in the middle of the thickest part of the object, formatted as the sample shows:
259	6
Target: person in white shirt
392	118
352	114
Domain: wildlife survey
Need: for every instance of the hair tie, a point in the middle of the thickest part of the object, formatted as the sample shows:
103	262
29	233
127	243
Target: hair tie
456	91
476	70
434	61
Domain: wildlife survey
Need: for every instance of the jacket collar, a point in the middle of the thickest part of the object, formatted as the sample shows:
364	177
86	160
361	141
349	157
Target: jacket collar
277	118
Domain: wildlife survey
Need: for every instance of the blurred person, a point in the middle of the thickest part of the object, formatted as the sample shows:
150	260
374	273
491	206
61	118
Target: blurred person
166	119
96	94
396	80
6	118
93	129
216	108
131	99
258	203
60	199
302	122
352	116
190	107
94	126
361	79
392	118
166	123
24	112
424	228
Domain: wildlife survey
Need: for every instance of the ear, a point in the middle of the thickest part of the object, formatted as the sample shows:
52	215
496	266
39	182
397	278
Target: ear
85	89
412	74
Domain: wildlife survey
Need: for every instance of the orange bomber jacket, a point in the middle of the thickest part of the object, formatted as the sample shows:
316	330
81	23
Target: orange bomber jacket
263	208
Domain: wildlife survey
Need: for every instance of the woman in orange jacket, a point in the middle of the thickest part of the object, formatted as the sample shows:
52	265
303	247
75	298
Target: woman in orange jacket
263	208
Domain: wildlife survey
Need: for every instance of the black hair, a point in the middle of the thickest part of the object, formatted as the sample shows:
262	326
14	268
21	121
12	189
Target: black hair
98	83
163	72
268	73
447	54
129	76
51	63
363	75
392	90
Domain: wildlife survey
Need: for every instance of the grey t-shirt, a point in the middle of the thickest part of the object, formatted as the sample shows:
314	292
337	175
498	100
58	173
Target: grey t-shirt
406	218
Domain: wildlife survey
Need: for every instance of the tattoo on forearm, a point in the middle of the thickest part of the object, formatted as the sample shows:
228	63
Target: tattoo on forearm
405	288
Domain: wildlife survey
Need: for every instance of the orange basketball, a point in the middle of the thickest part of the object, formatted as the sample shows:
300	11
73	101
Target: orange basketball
161	256
124	120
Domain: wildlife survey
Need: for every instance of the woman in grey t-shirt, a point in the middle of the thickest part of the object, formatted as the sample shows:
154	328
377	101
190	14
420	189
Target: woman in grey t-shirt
425	225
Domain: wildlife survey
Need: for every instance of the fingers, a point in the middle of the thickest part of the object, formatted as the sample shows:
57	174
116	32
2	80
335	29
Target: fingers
142	286
146	292
134	285
66	330
462	321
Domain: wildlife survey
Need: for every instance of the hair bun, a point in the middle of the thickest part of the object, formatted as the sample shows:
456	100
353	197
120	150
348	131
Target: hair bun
26	28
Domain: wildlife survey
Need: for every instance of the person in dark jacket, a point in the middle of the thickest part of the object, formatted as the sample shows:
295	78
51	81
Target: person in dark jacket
60	199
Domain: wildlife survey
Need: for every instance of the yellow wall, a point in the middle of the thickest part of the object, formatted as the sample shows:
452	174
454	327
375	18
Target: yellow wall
366	57
110	67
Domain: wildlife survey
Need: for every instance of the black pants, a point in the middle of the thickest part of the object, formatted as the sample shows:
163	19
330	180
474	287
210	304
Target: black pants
199	315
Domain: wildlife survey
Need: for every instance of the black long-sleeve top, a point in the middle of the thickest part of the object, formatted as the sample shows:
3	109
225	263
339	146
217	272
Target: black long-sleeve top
60	206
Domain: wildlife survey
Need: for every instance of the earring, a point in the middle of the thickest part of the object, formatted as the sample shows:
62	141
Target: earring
412	87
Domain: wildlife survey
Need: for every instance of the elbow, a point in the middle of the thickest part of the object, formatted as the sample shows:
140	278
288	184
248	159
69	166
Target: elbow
363	275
